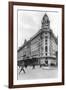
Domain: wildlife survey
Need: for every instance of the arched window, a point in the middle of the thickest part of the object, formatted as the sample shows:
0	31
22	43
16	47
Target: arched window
46	48
46	54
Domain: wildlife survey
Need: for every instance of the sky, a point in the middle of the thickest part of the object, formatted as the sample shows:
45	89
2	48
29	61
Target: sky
29	22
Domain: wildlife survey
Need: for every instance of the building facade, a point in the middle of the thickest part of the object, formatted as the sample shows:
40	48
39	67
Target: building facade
42	46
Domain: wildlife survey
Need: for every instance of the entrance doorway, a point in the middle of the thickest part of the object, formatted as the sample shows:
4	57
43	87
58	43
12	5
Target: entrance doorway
46	62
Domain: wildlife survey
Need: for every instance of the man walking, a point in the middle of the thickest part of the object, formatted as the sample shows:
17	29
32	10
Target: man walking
22	69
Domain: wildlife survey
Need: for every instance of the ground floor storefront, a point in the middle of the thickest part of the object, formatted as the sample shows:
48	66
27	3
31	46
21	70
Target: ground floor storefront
42	61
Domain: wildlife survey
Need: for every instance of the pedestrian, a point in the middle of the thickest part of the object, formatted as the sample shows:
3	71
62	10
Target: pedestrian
22	69
33	66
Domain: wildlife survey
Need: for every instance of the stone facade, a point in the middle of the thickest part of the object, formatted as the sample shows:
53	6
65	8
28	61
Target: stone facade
42	46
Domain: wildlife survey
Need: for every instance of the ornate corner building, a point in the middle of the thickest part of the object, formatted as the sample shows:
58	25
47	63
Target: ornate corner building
42	48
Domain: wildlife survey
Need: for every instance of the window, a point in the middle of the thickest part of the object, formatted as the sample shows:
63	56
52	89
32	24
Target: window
46	49
45	32
41	54
45	43
41	36
41	48
45	40
46	54
46	37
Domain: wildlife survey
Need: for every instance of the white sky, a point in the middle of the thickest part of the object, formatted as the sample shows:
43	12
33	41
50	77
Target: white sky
29	22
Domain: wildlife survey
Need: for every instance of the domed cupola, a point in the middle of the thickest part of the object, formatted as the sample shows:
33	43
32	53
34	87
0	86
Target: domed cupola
45	22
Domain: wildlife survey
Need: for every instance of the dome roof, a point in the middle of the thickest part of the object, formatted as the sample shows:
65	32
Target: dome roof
45	18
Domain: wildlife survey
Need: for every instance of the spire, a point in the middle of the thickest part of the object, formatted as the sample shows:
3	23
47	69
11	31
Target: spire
45	21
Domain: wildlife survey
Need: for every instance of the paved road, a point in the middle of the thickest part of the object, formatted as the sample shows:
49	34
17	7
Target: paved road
38	73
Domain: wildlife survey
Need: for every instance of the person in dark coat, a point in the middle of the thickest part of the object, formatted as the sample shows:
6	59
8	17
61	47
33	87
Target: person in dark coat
22	69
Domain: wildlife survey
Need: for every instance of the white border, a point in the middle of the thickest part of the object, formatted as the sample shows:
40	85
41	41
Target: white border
59	79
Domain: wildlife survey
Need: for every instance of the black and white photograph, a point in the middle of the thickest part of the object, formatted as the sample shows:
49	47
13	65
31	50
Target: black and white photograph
37	44
37	52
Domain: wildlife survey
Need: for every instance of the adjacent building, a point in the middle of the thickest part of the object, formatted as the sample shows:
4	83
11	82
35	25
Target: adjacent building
42	47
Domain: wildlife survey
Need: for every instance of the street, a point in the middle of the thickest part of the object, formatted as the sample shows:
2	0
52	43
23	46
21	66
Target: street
37	73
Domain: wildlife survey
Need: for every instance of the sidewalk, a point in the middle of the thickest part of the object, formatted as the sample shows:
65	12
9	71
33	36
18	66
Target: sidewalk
38	73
